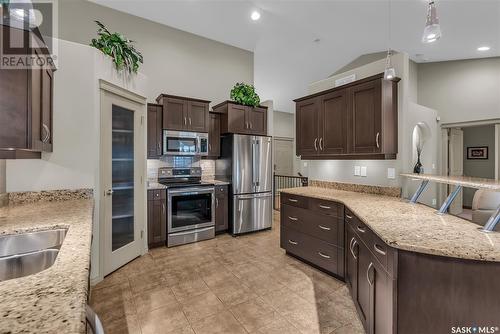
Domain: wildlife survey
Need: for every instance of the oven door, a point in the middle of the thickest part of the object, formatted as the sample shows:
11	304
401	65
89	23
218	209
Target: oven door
190	208
180	143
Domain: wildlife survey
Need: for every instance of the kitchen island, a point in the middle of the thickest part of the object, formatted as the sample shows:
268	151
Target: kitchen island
53	300
408	269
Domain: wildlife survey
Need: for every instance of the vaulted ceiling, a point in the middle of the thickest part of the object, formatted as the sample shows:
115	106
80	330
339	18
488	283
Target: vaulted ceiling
297	42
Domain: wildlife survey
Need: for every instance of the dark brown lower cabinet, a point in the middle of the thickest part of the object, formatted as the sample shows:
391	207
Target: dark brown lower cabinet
157	218
221	209
394	291
313	230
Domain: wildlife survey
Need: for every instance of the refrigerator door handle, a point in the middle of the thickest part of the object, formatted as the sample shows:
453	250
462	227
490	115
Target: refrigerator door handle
254	169
257	162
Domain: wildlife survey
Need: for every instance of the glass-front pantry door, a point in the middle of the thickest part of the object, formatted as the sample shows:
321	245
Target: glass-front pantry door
122	155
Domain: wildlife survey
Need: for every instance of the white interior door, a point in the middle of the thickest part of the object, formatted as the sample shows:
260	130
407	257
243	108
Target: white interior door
283	156
122	170
456	165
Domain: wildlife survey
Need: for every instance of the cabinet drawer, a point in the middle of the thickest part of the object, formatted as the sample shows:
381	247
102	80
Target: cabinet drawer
295	200
325	207
221	190
359	227
326	228
157	194
314	250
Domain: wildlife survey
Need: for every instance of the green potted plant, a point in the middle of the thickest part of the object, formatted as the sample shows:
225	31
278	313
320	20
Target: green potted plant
245	94
118	47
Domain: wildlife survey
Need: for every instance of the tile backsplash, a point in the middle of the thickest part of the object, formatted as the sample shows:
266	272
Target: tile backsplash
207	166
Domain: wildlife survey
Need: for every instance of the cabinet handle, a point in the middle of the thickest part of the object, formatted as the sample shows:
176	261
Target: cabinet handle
293	200
354	242
185	120
368	273
163	208
216	202
360	229
349	217
293	242
324	207
316	144
324	228
251	125
210	147
47	133
321	143
377	139
158	145
379	249
189	120
293	218
324	255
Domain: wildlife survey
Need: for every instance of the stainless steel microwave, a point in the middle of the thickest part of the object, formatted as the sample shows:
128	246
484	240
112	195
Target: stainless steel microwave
185	143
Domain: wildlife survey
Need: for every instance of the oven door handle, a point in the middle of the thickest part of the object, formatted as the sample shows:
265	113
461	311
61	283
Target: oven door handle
192	191
193	231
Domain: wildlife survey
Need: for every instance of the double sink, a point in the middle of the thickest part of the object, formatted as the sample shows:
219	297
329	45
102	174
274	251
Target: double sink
29	253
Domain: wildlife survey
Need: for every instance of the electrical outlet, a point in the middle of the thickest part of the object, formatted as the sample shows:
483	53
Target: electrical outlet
305	164
357	171
434	201
364	171
391	173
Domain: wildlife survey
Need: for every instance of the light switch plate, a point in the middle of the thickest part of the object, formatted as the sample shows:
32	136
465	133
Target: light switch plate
364	171
357	171
391	173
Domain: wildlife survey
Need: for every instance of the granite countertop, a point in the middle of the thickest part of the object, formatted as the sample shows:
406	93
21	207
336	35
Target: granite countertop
465	181
53	300
155	185
413	227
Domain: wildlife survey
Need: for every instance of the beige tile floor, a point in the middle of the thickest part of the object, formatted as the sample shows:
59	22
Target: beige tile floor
225	285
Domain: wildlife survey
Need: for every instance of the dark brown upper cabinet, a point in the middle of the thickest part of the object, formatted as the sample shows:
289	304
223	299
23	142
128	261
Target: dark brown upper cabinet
184	113
26	105
355	121
237	118
214	135
155	137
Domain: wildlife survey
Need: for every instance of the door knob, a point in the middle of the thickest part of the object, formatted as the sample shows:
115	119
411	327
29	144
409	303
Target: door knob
109	192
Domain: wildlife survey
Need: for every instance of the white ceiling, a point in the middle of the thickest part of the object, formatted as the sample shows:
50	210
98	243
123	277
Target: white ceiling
287	58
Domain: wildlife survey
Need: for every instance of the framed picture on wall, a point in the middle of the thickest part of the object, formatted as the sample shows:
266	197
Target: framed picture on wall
480	153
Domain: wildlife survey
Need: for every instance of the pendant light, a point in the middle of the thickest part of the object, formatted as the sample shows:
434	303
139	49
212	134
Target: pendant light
389	72
432	31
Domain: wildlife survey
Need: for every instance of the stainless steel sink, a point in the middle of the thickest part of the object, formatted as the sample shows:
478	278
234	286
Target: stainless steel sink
16	244
26	264
29	253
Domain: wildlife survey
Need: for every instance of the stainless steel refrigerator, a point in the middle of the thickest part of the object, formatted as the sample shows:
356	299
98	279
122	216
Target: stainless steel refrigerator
246	162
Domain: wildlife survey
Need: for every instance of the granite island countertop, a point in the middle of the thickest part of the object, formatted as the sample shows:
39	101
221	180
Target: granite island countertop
413	227
53	300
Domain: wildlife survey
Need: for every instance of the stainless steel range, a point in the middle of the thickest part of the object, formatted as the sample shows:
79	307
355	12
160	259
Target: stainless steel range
190	203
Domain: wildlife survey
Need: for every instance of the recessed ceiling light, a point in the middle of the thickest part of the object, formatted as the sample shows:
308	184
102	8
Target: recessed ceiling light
255	15
483	48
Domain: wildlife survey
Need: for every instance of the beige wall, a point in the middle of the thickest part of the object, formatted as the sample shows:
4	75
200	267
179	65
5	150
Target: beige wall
478	136
462	90
175	62
284	124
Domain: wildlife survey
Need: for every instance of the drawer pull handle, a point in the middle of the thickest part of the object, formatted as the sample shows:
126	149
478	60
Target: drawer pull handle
293	242
293	218
324	228
349	217
368	274
293	200
360	229
379	249
324	207
353	244
324	255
